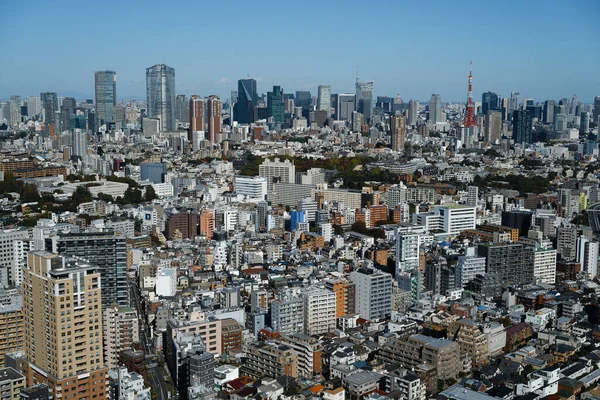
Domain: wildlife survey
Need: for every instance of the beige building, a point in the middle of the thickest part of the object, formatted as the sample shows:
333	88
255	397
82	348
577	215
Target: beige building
63	326
121	331
208	330
11	383
472	341
268	359
417	349
11	323
310	353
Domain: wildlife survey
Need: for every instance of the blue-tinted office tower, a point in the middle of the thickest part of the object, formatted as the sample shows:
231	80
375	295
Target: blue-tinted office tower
105	85
247	99
275	105
295	218
522	126
153	172
489	101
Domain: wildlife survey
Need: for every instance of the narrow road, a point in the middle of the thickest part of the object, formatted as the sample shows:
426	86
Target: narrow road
157	378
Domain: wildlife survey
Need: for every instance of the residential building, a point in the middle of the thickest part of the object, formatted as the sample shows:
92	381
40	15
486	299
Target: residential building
417	349
319	311
107	251
214	118
269	359
287	315
196	115
373	293
121	332
398	132
11	384
472	341
61	293
310	352
277	171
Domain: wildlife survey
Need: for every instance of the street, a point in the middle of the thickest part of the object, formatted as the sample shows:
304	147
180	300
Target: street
157	378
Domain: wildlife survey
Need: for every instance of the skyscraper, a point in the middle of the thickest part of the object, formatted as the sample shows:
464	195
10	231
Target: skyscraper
346	104
303	100
364	98
15	110
275	106
49	107
522	132
324	98
398	129
105	85
79	143
513	103
34	106
182	113
435	109
413	112
63	326
247	99
160	95
196	114
489	101
107	251
493	126
214	118
548	116
596	110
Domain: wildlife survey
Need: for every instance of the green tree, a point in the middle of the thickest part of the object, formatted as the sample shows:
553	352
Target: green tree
29	194
150	194
81	195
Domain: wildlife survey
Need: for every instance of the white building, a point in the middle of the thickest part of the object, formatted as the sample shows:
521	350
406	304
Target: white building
287	315
319	311
407	251
468	266
252	187
163	189
587	254
277	171
20	249
538	319
544	265
373	293
131	386
166	282
226	373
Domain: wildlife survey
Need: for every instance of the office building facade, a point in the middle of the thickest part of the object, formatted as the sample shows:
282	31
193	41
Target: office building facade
105	89
247	99
160	95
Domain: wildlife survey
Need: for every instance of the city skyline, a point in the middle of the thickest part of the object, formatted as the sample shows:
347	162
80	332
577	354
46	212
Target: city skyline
430	56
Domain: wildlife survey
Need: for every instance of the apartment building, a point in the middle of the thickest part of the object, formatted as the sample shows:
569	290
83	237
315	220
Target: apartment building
473	343
121	331
319	311
270	359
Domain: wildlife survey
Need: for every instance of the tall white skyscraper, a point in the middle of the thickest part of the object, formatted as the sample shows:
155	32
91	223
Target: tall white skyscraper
373	295
15	110
160	95
80	143
34	106
324	98
435	109
277	171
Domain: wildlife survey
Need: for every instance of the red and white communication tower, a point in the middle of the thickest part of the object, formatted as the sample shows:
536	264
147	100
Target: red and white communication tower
469	120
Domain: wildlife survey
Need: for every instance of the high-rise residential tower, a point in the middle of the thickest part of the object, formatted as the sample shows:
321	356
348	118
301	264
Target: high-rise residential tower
413	112
324	98
182	112
160	95
398	130
247	99
214	118
196	114
105	86
15	110
107	251
63	326
435	109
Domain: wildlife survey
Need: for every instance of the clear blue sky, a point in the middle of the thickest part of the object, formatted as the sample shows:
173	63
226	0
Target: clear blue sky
540	48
